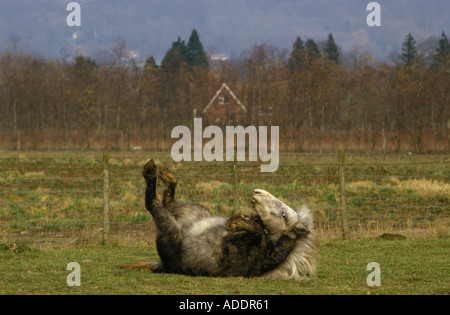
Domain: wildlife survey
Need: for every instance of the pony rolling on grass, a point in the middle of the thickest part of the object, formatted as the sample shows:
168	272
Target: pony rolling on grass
276	242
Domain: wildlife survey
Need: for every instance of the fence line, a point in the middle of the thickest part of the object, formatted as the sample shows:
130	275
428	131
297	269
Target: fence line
59	200
106	222
344	215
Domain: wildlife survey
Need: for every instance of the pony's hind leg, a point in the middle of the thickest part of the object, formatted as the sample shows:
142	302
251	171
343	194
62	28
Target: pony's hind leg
164	220
170	236
149	174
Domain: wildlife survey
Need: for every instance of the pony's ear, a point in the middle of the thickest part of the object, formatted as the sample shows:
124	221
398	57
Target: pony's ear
301	230
306	217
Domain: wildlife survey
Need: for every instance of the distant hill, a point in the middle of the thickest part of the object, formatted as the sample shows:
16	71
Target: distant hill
225	26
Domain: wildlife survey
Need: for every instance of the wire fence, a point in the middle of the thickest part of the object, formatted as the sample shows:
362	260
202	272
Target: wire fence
60	199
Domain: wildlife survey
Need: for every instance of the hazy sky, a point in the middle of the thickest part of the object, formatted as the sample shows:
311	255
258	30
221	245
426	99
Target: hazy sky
224	26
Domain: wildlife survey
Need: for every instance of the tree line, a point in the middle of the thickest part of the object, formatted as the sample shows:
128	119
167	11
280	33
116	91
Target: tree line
320	102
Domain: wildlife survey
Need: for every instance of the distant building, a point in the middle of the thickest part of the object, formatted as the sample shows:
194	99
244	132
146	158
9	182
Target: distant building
220	57
224	107
216	61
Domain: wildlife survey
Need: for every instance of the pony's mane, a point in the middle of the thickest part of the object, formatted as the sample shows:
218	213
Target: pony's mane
301	262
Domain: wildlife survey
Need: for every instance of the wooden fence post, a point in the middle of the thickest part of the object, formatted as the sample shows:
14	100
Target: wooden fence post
237	207
105	197
344	215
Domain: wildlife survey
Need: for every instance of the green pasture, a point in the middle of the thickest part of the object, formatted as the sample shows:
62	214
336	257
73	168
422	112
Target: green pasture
51	214
407	267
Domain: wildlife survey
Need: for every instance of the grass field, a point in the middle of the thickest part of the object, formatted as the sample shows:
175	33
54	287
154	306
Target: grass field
52	214
407	267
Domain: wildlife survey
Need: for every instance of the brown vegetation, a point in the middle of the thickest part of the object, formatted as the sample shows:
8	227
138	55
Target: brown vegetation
320	106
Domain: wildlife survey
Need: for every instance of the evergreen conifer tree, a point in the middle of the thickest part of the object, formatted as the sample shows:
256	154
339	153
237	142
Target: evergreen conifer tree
195	54
442	53
409	50
297	57
175	58
312	50
331	50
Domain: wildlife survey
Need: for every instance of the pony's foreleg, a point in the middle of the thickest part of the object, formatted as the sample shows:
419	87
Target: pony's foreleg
171	184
